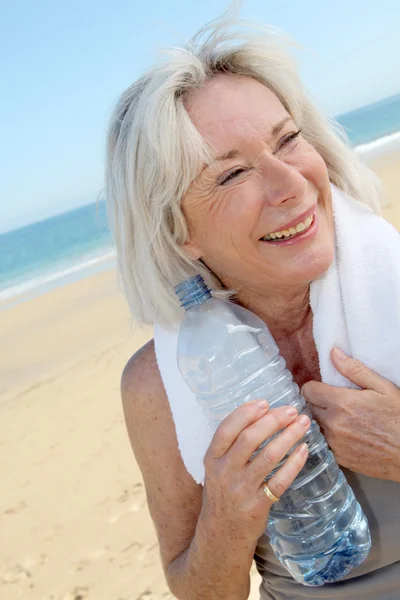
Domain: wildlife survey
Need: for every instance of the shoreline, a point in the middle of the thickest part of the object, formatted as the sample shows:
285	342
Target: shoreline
380	147
41	284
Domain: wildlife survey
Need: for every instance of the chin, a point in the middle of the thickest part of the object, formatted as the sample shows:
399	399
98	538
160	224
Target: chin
317	260
318	256
311	262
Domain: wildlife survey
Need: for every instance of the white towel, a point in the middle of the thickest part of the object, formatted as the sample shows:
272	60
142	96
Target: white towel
356	306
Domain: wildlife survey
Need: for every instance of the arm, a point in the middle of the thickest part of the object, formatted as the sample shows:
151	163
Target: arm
195	563
207	536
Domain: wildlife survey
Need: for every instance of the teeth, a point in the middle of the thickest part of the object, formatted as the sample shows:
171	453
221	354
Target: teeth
300	227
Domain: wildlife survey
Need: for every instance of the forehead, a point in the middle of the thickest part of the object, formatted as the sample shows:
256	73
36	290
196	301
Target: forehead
233	108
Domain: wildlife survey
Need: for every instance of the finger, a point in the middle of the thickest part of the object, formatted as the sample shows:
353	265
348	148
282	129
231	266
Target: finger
233	424
321	394
274	452
251	438
284	477
358	373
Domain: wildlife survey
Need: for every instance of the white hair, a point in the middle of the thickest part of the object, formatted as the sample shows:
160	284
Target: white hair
154	152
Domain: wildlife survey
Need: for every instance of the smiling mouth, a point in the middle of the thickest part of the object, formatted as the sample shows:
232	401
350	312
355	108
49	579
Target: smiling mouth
292	232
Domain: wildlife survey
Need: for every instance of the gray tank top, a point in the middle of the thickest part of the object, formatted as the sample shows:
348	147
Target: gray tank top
377	578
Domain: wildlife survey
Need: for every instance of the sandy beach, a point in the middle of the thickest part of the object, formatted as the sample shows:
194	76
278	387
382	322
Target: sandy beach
74	522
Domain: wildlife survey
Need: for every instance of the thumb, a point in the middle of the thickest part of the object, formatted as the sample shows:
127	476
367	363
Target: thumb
357	372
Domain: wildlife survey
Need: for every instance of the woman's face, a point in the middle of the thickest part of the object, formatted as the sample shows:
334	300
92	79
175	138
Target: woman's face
261	214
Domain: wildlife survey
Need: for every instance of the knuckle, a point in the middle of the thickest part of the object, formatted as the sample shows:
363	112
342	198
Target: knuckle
210	459
279	485
295	433
295	441
247	437
356	367
269	455
222	433
280	417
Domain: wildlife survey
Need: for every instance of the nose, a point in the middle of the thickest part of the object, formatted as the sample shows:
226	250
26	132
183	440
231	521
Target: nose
282	182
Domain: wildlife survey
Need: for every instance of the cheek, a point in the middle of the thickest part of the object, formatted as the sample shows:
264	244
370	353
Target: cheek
312	166
237	215
245	205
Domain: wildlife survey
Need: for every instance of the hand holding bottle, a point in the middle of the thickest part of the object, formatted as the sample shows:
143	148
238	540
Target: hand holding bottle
234	503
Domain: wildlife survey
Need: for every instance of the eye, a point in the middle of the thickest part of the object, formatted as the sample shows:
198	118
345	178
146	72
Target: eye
288	139
229	176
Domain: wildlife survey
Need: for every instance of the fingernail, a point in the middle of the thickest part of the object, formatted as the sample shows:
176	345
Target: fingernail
340	354
290	411
303	420
303	449
262	404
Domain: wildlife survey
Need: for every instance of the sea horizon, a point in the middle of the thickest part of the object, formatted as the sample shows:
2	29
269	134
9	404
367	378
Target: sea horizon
73	244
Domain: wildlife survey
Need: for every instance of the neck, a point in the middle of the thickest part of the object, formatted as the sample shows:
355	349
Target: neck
287	314
286	311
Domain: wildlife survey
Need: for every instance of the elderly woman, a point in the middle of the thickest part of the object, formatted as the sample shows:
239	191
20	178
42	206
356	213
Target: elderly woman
219	164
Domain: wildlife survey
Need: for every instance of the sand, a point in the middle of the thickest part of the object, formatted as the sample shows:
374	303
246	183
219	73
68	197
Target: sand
74	522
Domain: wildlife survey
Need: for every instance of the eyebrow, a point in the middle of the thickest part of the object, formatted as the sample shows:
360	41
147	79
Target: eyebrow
234	153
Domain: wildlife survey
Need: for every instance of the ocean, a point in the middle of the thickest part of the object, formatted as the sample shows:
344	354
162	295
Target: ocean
59	249
66	247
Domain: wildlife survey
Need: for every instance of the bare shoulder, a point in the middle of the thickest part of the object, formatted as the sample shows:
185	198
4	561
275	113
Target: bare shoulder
145	357
145	402
141	379
173	496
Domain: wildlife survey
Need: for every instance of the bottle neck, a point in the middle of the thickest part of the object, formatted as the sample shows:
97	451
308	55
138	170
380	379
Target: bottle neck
192	292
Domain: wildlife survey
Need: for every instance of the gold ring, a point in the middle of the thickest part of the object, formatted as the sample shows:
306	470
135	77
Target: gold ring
269	494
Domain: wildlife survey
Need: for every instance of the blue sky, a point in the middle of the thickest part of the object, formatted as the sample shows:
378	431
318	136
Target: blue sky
63	65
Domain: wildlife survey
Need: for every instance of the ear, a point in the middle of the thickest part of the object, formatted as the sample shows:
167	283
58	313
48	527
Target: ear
193	250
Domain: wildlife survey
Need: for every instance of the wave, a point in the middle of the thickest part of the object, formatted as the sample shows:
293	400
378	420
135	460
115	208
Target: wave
382	145
69	272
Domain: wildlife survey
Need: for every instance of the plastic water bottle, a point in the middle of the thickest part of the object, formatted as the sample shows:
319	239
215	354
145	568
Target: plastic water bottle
227	356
